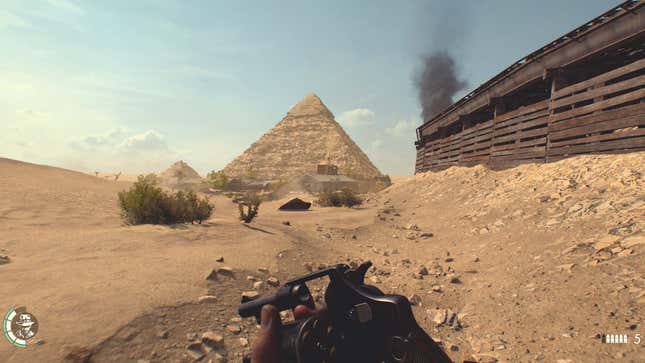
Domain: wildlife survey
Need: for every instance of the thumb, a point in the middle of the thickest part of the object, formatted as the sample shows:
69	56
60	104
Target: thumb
267	347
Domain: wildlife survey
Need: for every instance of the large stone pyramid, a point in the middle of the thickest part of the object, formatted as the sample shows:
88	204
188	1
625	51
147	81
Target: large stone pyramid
179	176
307	136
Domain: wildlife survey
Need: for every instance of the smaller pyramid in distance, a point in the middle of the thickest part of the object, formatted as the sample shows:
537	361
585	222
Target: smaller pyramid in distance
179	175
307	136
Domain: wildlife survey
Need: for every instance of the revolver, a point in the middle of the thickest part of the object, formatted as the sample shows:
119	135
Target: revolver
361	323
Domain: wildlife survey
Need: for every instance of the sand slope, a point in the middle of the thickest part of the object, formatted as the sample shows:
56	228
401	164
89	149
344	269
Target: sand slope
537	261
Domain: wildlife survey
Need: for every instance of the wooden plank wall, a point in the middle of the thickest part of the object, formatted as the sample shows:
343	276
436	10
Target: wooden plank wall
604	114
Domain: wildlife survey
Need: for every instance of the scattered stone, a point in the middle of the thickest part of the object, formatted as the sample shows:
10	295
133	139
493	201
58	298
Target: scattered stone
443	317
412	227
251	278
426	235
212	276
196	350
566	267
207	299
354	236
234	328
476	259
273	281
263	270
484	358
625	253
4	259
411	235
218	358
423	271
455	280
437	288
225	271
250	295
219	259
415	299
244	342
605	242
191	337
449	259
564	361
483	230
258	285
628	242
616	250
286	223
212	339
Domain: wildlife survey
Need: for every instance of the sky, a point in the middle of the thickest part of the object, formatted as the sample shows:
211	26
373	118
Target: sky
133	86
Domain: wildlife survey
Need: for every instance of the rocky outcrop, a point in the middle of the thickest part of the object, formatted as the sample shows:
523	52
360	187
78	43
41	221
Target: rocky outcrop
307	136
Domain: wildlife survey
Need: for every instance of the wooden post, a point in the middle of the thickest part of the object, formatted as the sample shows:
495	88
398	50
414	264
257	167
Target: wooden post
557	82
499	107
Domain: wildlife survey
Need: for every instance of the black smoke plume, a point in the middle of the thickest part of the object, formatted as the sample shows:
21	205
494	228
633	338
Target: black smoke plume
438	79
437	83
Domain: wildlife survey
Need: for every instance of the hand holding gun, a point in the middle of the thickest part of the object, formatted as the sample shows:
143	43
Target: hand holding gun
360	324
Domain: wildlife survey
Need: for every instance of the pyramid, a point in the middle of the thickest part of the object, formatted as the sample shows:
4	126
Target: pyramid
179	175
307	136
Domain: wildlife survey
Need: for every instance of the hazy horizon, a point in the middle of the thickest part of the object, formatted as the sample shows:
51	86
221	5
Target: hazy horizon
133	87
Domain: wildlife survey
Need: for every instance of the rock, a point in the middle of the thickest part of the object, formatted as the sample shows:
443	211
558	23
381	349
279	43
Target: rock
225	271
483	230
286	223
484	358
375	280
566	267
443	317
219	259
207	299
196	350
191	337
252	278
616	250
4	259
250	295
628	242
564	361
476	259
423	271
244	342
212	339
258	285
605	242
411	235
354	236
625	253
212	275
263	270
455	280
415	299
163	334
218	358
426	235
273	281
308	266
412	227
437	288
234	328
449	259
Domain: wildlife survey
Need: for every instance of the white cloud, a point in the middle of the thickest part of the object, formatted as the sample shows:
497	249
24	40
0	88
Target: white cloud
67	5
150	140
8	20
356	117
403	128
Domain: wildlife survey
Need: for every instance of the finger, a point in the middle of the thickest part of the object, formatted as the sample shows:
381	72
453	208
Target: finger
267	346
303	311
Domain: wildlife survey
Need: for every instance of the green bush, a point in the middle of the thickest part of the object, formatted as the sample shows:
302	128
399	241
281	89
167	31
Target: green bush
146	203
339	198
252	204
218	180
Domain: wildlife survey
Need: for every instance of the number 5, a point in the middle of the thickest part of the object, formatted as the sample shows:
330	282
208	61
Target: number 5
637	339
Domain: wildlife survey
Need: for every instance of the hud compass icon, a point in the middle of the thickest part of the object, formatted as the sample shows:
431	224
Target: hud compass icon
19	326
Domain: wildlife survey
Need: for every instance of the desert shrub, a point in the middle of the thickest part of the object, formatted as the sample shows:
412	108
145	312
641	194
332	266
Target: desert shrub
339	198
249	207
218	180
145	202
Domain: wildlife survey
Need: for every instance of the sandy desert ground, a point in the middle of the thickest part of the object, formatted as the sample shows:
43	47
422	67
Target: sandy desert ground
536	262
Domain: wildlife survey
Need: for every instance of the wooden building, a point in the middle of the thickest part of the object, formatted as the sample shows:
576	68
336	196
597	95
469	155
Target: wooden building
582	93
